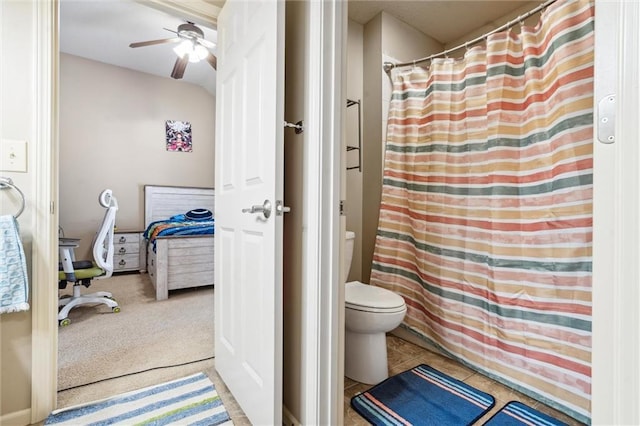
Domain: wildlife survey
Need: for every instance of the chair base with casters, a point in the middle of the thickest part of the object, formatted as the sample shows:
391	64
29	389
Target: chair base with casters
82	277
82	272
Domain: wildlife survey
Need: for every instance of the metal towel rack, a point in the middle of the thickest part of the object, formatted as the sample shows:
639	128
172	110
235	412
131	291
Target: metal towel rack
7	183
359	147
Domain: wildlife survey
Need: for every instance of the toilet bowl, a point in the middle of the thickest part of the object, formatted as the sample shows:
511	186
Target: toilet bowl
370	312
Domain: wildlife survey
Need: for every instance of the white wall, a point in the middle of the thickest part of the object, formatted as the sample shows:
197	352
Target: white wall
112	135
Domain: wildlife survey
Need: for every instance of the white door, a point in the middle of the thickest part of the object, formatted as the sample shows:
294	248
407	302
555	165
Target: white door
249	172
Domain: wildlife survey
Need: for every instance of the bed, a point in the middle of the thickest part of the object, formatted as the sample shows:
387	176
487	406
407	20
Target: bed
178	261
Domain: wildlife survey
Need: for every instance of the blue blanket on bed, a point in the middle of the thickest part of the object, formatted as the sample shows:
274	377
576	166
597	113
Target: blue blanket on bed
177	225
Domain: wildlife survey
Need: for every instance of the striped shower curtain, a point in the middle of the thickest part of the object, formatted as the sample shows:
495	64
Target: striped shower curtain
486	216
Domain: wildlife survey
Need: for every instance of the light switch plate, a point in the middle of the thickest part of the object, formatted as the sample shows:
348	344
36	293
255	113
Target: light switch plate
13	156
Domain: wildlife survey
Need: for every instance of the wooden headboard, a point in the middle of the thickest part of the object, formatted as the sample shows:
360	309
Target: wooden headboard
162	202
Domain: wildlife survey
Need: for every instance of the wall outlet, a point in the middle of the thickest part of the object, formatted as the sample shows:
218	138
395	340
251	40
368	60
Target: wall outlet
13	156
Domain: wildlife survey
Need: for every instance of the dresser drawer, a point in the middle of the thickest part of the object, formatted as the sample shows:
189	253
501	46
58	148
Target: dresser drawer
128	251
127	238
128	248
127	262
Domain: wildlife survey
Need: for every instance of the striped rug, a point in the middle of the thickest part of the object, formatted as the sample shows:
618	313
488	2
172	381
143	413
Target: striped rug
517	414
192	400
424	396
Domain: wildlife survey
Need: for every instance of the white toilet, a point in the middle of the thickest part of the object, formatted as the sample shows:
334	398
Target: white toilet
370	313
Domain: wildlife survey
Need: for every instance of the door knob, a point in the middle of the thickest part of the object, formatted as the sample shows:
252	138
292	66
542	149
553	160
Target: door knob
265	209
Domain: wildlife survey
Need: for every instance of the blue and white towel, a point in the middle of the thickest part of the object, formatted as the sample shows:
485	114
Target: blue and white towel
14	283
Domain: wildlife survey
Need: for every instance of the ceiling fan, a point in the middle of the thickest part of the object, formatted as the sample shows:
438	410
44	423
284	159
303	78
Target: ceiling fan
192	47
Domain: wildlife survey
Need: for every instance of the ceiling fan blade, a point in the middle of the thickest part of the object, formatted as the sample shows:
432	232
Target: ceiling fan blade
152	42
179	67
206	43
213	61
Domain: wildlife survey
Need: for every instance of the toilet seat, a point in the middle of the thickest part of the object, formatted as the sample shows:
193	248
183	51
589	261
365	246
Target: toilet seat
368	298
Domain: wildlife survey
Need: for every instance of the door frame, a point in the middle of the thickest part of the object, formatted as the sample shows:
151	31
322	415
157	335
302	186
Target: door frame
44	297
615	376
328	31
325	169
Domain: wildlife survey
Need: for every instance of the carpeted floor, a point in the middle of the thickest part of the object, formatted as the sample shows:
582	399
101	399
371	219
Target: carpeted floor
157	341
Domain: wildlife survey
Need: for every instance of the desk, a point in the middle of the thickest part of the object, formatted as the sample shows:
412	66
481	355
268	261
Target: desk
66	248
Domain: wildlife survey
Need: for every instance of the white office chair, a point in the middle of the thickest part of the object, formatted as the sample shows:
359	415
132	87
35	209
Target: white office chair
82	272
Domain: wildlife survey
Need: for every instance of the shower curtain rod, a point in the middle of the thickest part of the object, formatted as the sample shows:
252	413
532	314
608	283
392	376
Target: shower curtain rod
388	66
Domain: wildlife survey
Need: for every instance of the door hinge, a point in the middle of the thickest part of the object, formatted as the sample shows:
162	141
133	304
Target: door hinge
607	119
299	126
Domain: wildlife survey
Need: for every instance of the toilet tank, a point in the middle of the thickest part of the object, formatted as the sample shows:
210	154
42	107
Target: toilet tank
348	253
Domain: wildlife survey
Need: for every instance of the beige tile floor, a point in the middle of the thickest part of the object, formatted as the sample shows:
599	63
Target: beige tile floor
403	356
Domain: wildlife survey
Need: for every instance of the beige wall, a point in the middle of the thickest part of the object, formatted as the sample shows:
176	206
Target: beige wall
17	113
354	177
112	135
403	42
371	141
490	26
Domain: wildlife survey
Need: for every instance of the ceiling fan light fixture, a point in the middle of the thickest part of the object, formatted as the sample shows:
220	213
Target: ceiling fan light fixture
195	51
191	46
201	52
183	48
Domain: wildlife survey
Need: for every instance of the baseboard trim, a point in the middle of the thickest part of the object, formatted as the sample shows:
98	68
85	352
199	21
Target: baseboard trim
17	418
289	419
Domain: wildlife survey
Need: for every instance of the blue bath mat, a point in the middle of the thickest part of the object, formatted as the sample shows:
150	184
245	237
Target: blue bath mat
517	414
422	396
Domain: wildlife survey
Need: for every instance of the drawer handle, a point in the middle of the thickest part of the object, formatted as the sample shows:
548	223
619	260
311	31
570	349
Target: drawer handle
123	240
122	250
122	262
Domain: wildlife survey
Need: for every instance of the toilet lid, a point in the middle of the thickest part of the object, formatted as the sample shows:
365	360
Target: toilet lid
367	297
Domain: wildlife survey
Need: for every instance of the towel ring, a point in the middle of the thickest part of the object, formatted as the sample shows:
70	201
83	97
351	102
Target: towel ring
6	183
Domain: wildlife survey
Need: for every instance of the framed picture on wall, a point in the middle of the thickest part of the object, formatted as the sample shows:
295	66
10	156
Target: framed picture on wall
178	135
